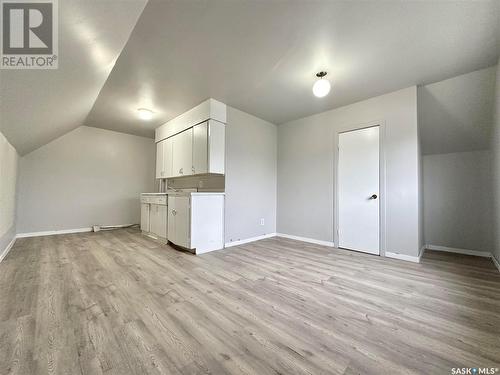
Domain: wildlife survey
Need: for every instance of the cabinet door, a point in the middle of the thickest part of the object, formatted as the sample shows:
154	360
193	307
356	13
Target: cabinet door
179	221
183	153
216	147
162	221
200	148
160	168
168	157
153	213
145	217
182	221
171	219
158	220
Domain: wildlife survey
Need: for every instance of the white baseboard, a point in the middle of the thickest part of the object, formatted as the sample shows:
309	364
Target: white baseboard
485	254
495	262
53	232
306	239
408	258
68	231
7	249
248	240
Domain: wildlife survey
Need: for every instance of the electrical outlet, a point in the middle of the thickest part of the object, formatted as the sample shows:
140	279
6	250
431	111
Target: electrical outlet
262	221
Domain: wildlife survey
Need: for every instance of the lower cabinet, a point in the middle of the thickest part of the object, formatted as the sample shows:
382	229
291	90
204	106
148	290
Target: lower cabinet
158	220
178	220
145	217
192	220
154	215
196	221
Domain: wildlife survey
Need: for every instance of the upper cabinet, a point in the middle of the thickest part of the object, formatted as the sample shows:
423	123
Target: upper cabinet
182	153
164	158
192	143
210	109
209	140
198	150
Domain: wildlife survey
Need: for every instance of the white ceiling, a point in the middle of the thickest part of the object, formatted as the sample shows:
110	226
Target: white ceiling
258	56
37	106
261	57
456	115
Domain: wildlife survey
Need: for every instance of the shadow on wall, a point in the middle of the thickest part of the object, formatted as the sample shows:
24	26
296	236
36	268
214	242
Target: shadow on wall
456	114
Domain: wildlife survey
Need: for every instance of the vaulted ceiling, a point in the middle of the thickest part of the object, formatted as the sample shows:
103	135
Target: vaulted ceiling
258	56
37	106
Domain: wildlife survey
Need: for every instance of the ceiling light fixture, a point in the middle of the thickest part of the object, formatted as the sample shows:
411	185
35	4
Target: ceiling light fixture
322	86
145	114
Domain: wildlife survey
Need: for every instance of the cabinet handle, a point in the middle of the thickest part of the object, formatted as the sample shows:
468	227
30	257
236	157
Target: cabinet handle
174	212
181	171
192	169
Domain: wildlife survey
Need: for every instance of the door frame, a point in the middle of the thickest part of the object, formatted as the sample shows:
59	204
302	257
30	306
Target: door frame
382	180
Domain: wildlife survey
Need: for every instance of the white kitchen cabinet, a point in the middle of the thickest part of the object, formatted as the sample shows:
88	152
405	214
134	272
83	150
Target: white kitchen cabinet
196	221
164	153
182	159
209	147
145	217
197	150
158	220
200	148
178	220
154	214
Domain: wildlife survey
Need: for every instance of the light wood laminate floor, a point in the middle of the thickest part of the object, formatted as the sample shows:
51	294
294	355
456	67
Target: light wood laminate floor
117	302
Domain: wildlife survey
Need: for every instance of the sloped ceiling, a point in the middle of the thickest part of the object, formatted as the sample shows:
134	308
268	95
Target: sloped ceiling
262	56
456	114
258	56
37	106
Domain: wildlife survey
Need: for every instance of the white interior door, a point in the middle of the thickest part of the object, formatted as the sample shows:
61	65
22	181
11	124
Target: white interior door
358	194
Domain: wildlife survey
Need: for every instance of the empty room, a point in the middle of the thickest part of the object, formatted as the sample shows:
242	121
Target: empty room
249	187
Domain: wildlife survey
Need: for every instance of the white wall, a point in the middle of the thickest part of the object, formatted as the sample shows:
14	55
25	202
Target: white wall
455	115
251	162
495	162
306	169
457	204
8	181
88	176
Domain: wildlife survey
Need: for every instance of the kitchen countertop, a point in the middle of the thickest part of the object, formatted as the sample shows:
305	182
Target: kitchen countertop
174	192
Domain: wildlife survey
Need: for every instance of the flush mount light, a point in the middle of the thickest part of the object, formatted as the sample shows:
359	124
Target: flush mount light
145	114
322	86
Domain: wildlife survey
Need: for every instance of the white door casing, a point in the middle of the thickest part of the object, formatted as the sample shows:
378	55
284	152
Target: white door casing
359	190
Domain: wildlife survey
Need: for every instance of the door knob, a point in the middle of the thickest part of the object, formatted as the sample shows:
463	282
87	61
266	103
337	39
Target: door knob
374	196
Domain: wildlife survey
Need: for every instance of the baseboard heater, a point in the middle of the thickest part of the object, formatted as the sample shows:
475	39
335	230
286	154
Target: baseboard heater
98	228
